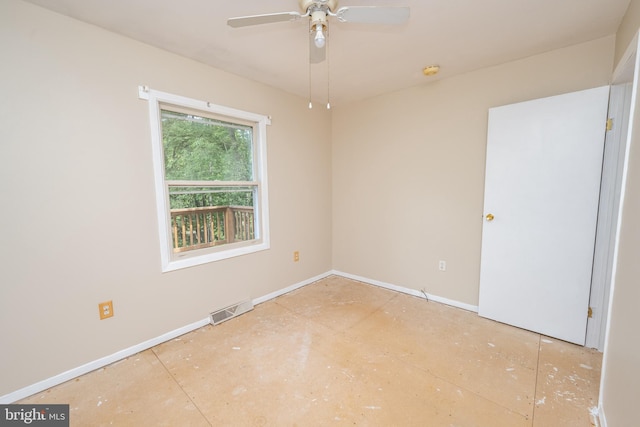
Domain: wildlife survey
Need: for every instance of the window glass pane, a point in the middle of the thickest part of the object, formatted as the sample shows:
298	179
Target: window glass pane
196	197
200	148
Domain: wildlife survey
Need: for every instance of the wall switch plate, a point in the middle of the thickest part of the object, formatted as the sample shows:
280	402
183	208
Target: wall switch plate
442	265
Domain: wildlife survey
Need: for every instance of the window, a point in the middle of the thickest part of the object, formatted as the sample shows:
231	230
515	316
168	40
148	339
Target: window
210	174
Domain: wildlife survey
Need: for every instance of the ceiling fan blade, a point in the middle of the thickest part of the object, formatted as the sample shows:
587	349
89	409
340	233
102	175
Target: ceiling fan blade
373	15
316	54
245	21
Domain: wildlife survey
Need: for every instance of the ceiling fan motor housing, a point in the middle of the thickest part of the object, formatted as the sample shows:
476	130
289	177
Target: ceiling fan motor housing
318	18
320	4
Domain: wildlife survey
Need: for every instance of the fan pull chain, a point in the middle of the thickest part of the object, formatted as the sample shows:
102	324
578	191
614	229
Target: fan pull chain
328	71
309	68
310	104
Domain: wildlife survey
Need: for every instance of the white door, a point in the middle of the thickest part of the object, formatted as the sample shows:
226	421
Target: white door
543	167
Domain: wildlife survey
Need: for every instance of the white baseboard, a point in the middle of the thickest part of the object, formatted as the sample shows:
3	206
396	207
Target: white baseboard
288	289
601	417
122	354
100	363
409	291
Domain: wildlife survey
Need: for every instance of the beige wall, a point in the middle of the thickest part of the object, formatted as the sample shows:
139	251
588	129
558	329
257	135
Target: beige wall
621	379
408	169
78	209
628	29
620	392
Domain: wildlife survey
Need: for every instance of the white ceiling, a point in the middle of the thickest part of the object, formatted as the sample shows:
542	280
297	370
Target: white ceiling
363	60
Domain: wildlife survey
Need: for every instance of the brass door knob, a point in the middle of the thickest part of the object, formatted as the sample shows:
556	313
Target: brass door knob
489	217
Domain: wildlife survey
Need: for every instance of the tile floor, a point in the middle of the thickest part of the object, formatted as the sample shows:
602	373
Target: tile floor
340	352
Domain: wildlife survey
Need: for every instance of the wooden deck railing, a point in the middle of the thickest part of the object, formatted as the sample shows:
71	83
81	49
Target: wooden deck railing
196	228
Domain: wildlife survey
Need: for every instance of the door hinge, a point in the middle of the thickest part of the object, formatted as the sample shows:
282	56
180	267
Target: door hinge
609	124
590	313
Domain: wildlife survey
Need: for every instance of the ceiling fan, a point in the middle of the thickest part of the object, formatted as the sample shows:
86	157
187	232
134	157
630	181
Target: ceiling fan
318	12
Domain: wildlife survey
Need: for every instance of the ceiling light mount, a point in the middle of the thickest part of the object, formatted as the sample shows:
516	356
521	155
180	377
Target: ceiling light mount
431	70
318	4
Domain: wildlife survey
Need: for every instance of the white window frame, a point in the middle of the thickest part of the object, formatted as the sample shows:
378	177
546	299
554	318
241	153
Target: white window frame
174	261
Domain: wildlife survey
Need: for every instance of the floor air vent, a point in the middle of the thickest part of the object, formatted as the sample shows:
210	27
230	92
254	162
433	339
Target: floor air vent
232	311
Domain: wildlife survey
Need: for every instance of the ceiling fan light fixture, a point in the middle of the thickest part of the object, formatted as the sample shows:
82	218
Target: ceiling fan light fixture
318	13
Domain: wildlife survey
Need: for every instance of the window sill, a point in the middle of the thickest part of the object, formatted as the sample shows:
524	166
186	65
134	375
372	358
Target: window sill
192	260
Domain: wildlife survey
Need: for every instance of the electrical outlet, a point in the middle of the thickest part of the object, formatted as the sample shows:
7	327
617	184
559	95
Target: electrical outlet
296	256
442	265
106	309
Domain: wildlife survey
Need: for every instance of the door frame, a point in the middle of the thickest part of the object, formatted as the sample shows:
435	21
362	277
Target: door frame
613	172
